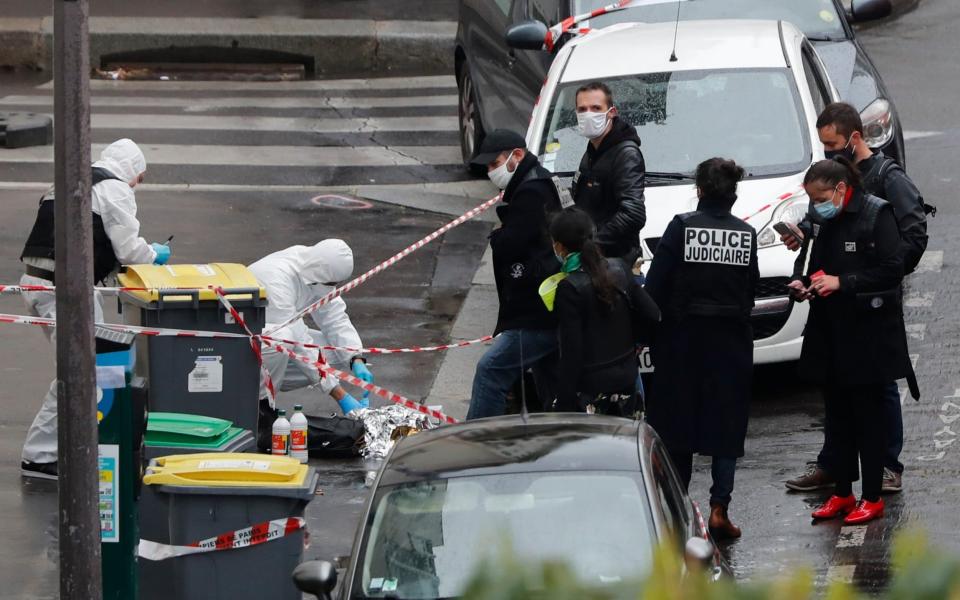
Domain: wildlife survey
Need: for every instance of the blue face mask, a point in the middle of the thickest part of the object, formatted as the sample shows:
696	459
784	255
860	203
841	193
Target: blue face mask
828	209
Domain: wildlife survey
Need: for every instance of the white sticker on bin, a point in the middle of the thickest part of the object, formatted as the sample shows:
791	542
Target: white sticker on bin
206	376
111	378
233	465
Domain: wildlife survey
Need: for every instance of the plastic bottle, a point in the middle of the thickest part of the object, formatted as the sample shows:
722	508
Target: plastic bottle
298	434
281	435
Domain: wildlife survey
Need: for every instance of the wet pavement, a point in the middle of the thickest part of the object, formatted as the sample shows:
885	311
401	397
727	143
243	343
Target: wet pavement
415	303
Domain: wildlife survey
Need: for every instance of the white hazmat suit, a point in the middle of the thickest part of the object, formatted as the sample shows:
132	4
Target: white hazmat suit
294	279
116	204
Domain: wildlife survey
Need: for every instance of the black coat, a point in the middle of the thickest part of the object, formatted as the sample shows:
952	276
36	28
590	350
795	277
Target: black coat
703	359
889	182
609	186
522	253
597	348
856	335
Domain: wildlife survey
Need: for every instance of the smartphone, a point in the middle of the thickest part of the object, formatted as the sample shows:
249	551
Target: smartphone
784	229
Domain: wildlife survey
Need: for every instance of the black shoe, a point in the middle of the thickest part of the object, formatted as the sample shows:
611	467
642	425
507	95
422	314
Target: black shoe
265	426
39	470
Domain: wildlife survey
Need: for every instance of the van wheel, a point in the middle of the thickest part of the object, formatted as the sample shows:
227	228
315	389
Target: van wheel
471	128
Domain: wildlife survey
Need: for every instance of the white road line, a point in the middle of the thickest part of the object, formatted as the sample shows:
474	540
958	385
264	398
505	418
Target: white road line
930	262
841	573
918	299
852	537
478	190
275	156
382	83
204	104
914	359
916	331
916	135
140	122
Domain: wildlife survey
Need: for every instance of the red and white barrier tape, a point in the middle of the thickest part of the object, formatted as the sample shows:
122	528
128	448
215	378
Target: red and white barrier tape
388	263
369	387
375	350
254	345
255	535
702	525
134	329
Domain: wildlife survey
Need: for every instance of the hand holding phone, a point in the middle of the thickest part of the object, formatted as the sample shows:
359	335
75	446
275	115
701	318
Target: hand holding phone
790	235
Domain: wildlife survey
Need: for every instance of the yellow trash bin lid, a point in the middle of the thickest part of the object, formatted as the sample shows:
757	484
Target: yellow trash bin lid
229	276
226	469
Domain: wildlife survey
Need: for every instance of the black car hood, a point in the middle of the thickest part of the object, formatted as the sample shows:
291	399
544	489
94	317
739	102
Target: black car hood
851	72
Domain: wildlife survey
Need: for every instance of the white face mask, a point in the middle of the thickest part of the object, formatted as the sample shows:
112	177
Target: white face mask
502	175
591	125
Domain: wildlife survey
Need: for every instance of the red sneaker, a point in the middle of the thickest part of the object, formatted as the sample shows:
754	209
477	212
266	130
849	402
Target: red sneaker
866	511
835	506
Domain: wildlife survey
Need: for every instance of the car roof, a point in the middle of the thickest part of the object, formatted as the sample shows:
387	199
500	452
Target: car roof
628	48
545	442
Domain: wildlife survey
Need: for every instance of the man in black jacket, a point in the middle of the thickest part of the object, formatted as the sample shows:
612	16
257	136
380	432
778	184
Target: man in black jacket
841	132
522	258
609	183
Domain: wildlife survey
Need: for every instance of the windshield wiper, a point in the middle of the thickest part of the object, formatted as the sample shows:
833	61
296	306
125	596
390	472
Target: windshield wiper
668	175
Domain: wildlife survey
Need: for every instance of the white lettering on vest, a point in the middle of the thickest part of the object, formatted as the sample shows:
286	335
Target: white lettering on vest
718	246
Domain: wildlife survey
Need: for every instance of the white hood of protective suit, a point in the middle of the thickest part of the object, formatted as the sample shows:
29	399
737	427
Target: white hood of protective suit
326	262
124	159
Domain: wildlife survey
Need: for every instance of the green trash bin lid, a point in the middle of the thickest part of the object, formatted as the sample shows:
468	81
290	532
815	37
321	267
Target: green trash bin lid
178	430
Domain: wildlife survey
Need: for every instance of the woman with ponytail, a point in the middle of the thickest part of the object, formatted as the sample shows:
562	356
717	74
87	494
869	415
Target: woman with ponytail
599	306
703	276
854	343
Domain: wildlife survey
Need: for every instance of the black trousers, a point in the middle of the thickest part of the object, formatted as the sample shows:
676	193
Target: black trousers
722	470
856	425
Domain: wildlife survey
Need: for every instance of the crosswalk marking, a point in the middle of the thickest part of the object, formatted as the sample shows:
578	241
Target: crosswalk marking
300	135
916	331
384	83
930	262
277	156
918	299
852	537
198	104
840	573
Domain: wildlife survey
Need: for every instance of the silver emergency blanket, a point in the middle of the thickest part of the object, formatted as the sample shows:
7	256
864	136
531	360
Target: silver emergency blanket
385	425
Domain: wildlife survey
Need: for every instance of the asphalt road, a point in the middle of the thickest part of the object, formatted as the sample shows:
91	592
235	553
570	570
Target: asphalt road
235	215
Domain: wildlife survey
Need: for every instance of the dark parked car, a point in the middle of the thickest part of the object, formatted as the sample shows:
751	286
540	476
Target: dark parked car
499	85
446	499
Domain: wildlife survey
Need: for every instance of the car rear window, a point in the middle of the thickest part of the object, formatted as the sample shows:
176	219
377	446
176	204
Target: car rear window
426	539
818	19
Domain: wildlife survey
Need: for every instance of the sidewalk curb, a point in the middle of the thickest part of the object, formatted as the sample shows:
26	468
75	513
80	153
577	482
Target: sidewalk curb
335	46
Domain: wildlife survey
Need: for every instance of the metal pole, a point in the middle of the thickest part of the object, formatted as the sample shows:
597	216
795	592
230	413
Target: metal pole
80	576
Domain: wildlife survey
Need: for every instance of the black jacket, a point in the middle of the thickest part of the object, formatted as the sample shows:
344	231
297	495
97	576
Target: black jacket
522	253
703	349
856	335
609	187
597	349
888	181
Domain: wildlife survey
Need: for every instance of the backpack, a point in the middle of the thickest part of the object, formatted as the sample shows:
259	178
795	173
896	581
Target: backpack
334	436
876	178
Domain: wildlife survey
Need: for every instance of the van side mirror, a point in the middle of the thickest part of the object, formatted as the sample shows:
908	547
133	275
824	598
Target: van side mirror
317	577
526	35
698	554
862	11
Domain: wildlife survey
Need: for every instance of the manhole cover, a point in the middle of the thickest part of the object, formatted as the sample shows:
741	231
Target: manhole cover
344	202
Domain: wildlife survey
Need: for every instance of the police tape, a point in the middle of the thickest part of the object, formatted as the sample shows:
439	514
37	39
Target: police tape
388	263
376	350
326	369
254	345
134	329
255	535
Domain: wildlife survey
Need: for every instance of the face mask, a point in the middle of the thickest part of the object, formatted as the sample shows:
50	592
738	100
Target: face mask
502	175
591	125
828	209
847	152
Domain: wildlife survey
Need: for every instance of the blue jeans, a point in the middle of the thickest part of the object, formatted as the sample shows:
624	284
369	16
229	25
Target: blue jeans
501	366
893	420
722	470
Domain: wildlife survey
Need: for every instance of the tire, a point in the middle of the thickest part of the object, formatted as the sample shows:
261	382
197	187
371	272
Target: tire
470	126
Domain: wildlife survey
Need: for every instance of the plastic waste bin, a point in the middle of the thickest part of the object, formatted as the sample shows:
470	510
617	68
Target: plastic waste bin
120	418
200	376
171	434
221	501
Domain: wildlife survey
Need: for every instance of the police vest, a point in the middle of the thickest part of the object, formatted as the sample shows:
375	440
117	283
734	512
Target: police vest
714	276
41	242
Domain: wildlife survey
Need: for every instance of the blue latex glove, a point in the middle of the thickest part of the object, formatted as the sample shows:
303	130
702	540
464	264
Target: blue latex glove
365	401
163	253
348	403
361	371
